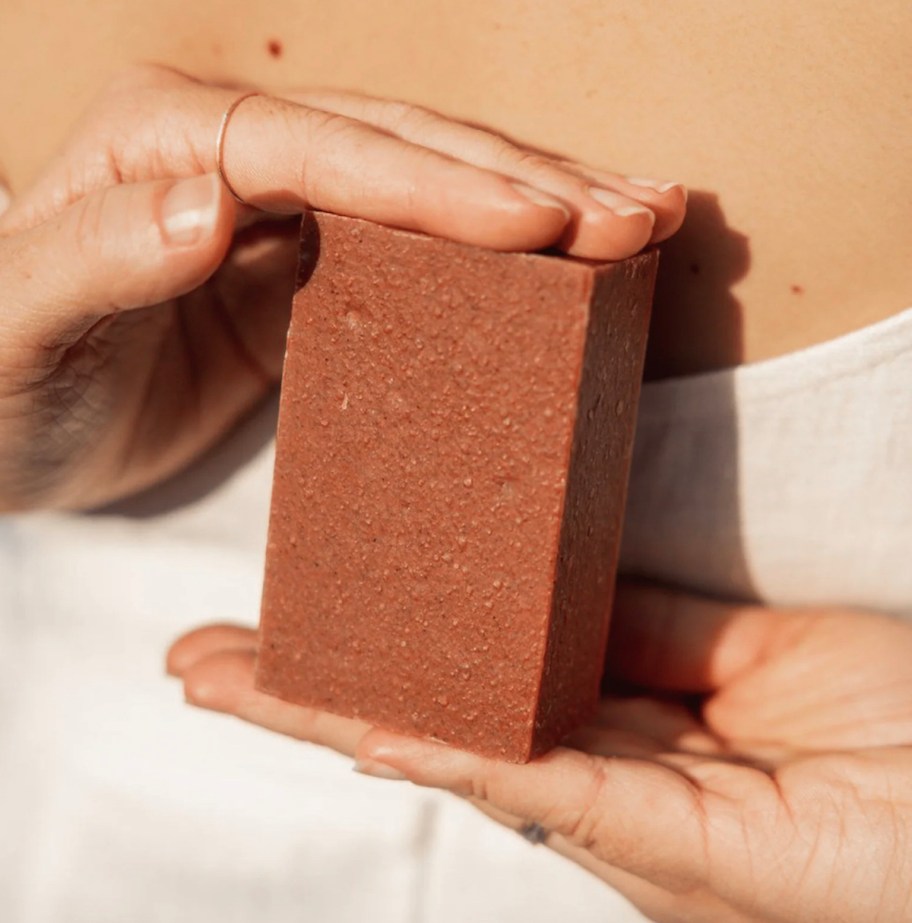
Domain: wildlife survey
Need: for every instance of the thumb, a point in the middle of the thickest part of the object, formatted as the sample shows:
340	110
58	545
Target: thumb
124	247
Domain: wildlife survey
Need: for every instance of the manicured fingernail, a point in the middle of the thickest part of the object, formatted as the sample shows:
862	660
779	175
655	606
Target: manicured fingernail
189	210
657	184
620	204
5	198
541	198
370	767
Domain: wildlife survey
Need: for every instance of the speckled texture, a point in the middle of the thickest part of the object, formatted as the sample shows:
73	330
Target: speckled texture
445	523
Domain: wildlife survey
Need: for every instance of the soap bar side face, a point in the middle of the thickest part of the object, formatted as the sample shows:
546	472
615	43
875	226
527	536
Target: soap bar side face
596	492
427	415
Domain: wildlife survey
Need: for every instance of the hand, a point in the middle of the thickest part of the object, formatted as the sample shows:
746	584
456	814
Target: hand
786	796
144	312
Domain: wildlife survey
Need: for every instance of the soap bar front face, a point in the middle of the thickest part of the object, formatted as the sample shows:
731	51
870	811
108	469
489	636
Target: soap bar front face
449	484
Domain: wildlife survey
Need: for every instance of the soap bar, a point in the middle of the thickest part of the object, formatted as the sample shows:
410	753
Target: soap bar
454	438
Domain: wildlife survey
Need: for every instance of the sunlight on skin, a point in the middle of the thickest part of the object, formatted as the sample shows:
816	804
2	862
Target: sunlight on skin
166	310
787	794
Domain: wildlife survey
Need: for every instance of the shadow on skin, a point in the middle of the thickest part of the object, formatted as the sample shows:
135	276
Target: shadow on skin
239	447
697	323
208	472
683	523
696	320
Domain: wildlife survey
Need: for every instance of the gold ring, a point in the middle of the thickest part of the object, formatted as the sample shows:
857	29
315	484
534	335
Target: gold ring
220	143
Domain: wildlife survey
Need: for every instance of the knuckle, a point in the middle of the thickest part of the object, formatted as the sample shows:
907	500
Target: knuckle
142	75
537	168
425	166
120	112
478	786
515	158
309	724
406	117
326	126
324	130
86	225
130	95
583	820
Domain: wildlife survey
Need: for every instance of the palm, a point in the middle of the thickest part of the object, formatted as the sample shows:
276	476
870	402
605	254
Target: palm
781	792
798	787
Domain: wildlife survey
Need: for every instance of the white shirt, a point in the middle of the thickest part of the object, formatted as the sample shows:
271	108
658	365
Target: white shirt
788	480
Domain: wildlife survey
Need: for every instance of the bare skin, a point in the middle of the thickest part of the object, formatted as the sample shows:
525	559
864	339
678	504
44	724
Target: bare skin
790	126
791	130
784	797
144	313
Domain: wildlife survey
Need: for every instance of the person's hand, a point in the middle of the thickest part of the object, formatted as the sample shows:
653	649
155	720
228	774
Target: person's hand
785	796
144	311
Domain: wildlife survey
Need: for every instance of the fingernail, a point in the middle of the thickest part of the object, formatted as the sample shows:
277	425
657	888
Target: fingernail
189	210
541	198
657	184
619	204
5	198
370	767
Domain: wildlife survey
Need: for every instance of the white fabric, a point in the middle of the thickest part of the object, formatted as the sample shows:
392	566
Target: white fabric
120	804
787	480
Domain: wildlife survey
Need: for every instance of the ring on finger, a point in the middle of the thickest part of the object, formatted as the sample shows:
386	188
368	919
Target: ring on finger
533	833
220	143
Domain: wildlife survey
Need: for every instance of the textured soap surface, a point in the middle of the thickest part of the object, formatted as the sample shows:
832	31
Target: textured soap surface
453	447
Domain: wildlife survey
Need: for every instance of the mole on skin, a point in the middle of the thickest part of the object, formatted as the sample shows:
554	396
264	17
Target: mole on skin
274	47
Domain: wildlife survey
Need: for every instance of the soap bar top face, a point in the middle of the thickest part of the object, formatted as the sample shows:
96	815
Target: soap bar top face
428	417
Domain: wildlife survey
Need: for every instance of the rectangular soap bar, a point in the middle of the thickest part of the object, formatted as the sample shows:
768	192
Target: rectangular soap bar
453	447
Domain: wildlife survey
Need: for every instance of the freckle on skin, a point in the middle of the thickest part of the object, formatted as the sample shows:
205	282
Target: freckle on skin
274	47
216	49
695	268
797	289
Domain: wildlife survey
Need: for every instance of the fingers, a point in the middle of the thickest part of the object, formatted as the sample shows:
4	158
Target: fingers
205	641
676	641
619	810
669	726
350	168
356	157
253	292
216	665
655	902
614	216
122	247
284	157
665	198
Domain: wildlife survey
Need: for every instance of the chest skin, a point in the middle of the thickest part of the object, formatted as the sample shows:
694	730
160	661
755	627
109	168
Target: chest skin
789	124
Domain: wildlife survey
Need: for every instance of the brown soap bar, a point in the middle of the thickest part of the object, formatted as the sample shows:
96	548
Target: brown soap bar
453	447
